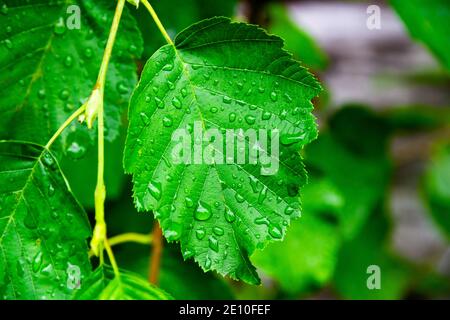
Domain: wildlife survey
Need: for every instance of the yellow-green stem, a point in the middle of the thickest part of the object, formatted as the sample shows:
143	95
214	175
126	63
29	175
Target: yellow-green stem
130	237
99	241
157	21
66	123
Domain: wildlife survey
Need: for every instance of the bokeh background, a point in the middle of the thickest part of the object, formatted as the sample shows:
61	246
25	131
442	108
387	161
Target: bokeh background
379	187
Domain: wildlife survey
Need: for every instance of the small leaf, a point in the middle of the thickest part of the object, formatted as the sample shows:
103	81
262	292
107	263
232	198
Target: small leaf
225	76
104	285
43	229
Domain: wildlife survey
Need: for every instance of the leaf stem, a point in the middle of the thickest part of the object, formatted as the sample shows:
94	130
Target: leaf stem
112	259
155	260
98	241
157	21
130	237
66	123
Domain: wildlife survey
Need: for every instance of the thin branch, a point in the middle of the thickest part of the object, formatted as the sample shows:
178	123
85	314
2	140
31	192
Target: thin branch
155	260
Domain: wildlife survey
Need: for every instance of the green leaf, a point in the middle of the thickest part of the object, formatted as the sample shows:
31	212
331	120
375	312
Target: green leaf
49	69
297	41
305	260
176	276
104	285
354	158
369	248
427	21
436	188
43	229
226	76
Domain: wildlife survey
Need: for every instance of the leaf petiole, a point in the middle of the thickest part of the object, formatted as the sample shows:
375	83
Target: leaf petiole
157	21
66	123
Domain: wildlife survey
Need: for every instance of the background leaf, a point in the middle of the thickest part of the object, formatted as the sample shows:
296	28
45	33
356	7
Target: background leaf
305	260
43	229
436	187
48	70
427	21
104	285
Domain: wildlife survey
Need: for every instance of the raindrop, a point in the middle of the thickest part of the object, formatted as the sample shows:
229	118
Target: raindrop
189	202
188	254
145	119
155	189
41	94
213	243
208	263
203	211
158	102
232	117
274	96
261	221
59	28
200	234
68	61
37	262
239	198
122	88
173	232
229	215
88	53
226	99
8	44
184	92
288	139
4	9
218	231
250	119
64	94
214	110
168	67
167	121
176	103
289	210
266	115
275	232
51	190
76	151
262	195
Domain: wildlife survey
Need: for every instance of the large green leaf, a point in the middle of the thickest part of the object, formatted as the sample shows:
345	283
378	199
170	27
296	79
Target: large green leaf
104	285
226	76
437	188
305	260
47	69
428	22
43	229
